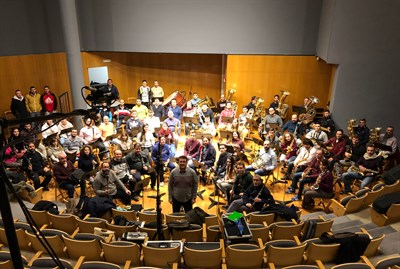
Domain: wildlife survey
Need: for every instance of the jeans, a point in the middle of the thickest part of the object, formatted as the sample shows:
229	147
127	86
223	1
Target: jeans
70	187
348	178
260	172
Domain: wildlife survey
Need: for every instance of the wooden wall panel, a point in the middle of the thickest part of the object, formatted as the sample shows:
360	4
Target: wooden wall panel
265	76
183	72
21	72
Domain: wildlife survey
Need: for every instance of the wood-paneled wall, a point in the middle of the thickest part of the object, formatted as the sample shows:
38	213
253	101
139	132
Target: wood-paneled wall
184	72
265	76
21	72
262	76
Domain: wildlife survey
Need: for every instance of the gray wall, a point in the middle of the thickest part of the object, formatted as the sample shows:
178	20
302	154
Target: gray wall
363	38
30	27
201	26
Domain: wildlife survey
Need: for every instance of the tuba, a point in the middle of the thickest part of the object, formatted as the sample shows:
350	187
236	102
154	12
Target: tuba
283	108
231	92
310	114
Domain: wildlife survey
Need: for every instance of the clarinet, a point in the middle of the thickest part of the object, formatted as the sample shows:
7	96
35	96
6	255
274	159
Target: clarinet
258	195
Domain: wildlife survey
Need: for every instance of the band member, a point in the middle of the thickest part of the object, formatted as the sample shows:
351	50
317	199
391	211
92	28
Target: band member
133	124
221	103
121	112
272	118
225	183
103	111
228	112
141	110
304	157
208	127
91	136
369	166
327	123
146	139
252	104
337	147
273	140
254	197
388	139
144	93
111	90
354	152
182	186
267	161
169	137
177	110
363	132
242	118
139	163
207	156
157	91
107	184
161	155
317	135
205	112
195	100
173	123
242	181
323	187
106	129
192	147
237	141
275	102
292	125
189	112
152	121
220	168
158	109
288	148
309	175
62	172
33	164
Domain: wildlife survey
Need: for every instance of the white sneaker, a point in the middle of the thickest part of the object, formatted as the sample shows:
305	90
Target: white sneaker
161	184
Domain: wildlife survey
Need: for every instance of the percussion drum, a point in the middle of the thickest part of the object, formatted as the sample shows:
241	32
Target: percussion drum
180	99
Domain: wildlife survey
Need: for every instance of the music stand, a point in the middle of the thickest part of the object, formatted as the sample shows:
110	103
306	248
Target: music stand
383	147
47	140
192	120
225	134
227	119
111	137
298	110
229	148
202	135
275	127
197	164
64	131
258	141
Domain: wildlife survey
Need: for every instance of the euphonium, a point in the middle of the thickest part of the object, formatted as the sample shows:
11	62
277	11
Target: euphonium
310	114
374	135
231	92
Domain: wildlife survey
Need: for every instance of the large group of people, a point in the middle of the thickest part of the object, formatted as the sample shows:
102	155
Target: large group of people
144	139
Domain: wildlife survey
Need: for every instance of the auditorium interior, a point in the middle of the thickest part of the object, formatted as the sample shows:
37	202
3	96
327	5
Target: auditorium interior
314	56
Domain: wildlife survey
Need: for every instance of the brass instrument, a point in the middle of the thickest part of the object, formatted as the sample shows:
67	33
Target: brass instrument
310	114
290	148
357	170
200	115
316	184
374	135
283	108
231	92
259	162
351	124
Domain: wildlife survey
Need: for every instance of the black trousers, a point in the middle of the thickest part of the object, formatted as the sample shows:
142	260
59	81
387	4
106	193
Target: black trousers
176	205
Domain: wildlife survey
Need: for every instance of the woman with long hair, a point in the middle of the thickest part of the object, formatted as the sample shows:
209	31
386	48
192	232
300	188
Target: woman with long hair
88	162
225	184
146	138
53	150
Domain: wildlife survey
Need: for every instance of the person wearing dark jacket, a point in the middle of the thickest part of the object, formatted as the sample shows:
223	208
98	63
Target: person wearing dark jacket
323	187
87	161
33	164
255	196
62	172
18	106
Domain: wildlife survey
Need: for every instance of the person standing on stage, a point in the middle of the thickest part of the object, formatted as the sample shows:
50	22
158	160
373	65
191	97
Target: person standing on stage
182	186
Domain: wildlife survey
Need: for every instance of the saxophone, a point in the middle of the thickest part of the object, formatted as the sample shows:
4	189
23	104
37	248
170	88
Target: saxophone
357	170
319	178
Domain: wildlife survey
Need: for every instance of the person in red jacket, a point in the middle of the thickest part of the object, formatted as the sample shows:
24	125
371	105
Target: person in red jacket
48	100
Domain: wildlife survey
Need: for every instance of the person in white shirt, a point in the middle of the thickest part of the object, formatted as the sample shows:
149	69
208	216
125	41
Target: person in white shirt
91	135
152	121
64	124
267	162
317	136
